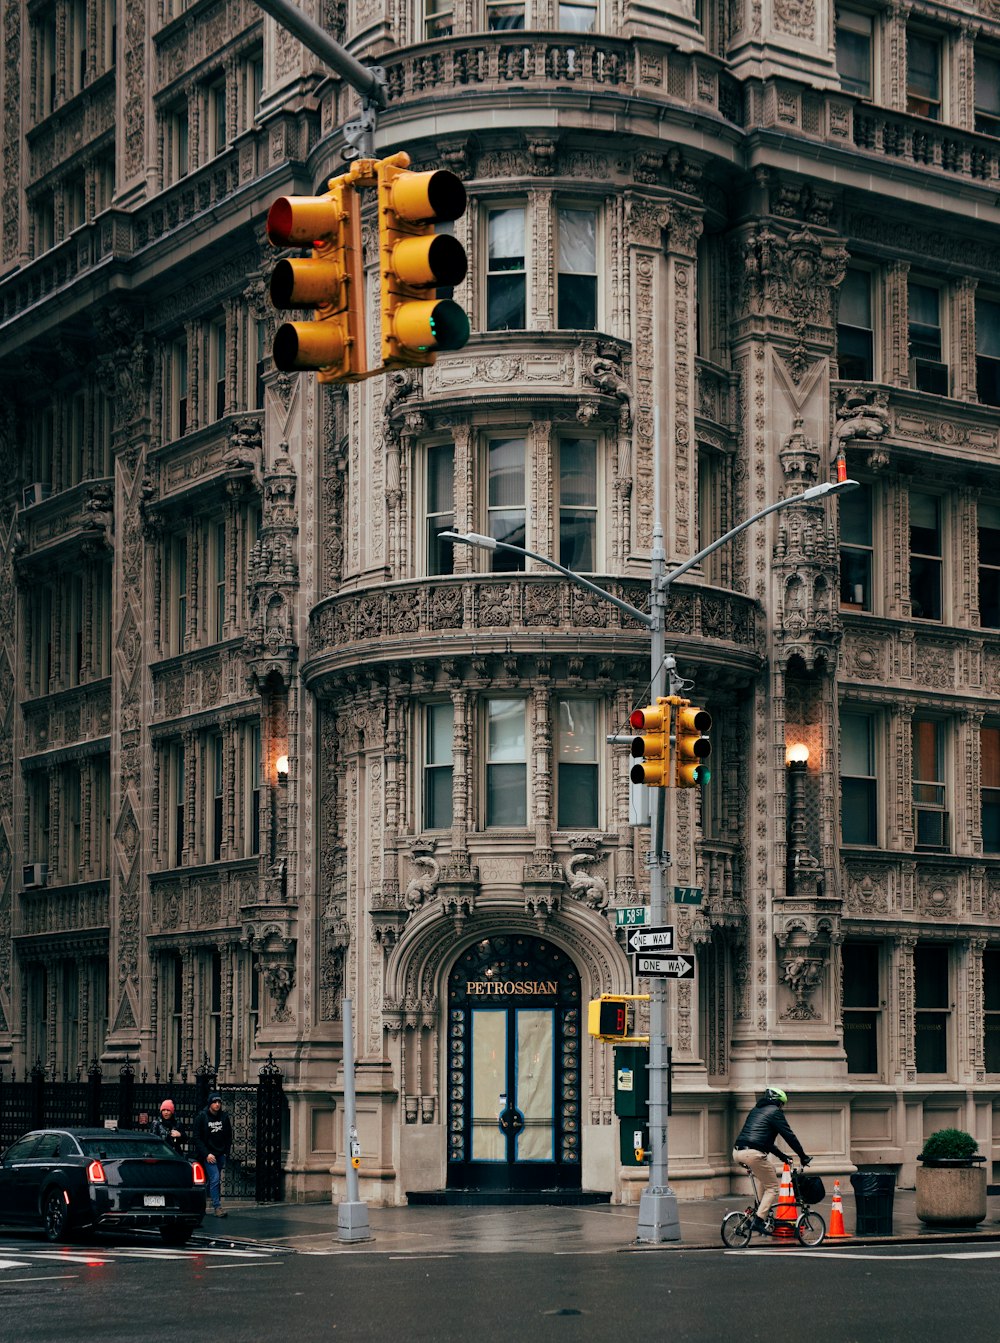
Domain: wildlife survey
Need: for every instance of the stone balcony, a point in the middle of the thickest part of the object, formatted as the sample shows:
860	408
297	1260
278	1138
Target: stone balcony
517	613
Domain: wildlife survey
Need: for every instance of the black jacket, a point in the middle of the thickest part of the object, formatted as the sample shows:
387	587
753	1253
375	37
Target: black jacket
212	1133
763	1124
161	1129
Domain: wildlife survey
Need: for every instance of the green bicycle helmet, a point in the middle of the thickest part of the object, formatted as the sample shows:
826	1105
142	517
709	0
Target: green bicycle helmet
776	1094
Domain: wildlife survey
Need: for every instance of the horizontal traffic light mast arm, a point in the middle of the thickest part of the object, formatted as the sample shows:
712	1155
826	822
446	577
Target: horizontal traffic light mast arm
490	543
828	487
321	44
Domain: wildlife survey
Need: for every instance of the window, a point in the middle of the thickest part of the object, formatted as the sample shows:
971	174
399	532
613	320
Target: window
987	93
251	772
857	551
74	203
177	145
440	508
174	976
104	182
506	763
217	367
505	276
217	757
504	15
989	782
252	86
930	982
505	501
854	52
925	556
578	504
38	818
41	640
100	813
72	839
175	794
862	999
176	594
577	277
578	17
76	47
988	351
439	18
991	1009
711	467
855	335
989	564
43	221
213	1045
107	33
178	378
261	354
217	535
930	818
923	75
216	97
577	784
73	667
438	756
928	371
45	66
858	779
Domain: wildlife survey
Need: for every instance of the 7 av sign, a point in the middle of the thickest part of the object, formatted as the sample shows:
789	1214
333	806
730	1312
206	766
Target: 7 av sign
680	966
650	939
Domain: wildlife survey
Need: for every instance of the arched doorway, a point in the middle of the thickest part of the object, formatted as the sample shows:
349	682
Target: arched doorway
514	1066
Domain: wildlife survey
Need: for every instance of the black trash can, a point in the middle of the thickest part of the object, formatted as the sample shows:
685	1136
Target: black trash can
873	1190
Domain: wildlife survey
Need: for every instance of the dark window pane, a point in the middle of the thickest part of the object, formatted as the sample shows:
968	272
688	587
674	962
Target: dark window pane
861	988
930	970
577	786
925	588
991	820
861	1041
988	380
991	979
506	802
992	1044
505	303
855	356
989	598
437	799
932	1043
989	539
858	811
577	530
856	578
578	302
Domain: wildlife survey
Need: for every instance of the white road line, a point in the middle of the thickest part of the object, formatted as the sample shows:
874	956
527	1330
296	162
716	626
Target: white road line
216	1268
48	1277
67	1257
12	1263
881	1257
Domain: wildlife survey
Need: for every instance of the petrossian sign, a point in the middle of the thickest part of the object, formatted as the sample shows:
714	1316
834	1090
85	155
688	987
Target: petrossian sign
500	988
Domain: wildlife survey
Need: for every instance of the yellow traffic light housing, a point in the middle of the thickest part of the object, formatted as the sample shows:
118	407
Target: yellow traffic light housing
608	1017
415	261
330	281
652	747
692	746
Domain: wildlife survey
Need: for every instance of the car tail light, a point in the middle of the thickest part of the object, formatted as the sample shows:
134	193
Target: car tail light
198	1172
95	1173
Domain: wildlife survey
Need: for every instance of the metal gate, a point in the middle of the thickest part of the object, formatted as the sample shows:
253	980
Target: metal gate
257	1112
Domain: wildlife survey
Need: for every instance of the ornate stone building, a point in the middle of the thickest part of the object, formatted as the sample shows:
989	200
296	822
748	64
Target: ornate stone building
268	741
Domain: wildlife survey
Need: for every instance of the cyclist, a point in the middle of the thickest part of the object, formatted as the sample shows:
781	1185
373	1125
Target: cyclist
755	1143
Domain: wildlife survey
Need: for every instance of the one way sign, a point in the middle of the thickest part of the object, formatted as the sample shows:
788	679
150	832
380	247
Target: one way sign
650	939
680	966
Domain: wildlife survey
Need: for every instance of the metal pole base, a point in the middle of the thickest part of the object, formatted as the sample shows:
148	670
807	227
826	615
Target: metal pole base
352	1222
658	1220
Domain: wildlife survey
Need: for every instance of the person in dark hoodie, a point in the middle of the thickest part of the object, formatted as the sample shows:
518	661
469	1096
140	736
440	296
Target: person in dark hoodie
756	1142
213	1140
168	1127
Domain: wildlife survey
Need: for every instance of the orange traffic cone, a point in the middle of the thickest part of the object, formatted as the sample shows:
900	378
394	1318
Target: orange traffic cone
786	1213
836	1230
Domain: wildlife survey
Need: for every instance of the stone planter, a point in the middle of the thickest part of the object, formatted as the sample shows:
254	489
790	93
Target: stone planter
951	1195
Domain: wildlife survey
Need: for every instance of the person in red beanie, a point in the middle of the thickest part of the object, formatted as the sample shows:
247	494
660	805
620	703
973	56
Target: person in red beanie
167	1126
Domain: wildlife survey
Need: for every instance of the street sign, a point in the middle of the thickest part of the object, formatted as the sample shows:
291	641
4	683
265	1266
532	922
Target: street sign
651	939
687	895
631	915
673	967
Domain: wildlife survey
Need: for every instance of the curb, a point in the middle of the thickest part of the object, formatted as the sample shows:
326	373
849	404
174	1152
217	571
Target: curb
849	1242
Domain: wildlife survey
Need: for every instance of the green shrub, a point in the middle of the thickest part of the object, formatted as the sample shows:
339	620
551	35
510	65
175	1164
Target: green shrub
949	1144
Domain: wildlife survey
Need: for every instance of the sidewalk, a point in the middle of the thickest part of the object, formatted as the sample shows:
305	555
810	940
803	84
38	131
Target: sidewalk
311	1228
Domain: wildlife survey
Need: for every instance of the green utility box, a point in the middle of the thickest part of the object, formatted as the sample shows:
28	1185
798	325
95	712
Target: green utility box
634	1133
632	1083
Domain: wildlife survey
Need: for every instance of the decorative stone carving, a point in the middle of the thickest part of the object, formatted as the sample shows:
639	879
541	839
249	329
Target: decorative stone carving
861	413
589	887
423	885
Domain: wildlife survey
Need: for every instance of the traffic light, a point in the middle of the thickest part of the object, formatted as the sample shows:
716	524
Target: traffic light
414	261
607	1017
653	746
331	281
692	745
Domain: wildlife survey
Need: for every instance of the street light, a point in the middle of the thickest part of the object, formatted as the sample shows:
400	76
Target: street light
658	1220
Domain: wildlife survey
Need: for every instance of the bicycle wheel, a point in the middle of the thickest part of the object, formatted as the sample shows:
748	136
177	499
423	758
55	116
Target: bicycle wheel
737	1228
810	1228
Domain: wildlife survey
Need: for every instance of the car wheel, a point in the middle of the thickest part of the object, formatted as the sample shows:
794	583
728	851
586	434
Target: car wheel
55	1213
176	1235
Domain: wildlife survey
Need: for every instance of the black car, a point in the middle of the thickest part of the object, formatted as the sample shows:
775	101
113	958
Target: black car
66	1180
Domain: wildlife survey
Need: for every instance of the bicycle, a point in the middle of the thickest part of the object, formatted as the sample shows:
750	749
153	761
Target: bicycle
737	1227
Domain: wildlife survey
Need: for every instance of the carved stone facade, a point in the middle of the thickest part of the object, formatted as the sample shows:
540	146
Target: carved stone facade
266	743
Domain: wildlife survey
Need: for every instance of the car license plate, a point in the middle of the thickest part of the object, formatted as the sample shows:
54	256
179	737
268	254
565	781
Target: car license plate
155	1201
